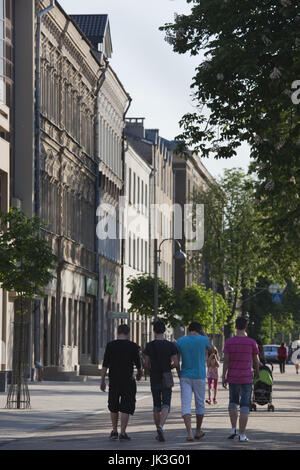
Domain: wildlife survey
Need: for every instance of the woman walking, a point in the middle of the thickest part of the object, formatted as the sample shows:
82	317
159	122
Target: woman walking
282	357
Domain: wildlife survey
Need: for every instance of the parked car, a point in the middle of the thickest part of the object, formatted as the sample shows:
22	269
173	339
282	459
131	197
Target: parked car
271	352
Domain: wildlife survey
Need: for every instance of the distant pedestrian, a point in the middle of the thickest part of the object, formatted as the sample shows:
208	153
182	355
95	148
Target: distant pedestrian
295	357
213	364
144	369
120	357
282	357
193	348
240	353
159	355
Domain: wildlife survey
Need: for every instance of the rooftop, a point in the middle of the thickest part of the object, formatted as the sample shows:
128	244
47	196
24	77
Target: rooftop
96	29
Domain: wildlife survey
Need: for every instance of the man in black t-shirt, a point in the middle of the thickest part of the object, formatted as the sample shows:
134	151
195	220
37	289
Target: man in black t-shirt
120	357
159	356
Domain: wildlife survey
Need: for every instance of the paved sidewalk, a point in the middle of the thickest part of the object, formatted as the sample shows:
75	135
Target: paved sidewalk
74	417
54	403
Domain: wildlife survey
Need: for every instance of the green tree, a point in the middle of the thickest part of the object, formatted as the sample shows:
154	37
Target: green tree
141	298
26	261
261	310
248	62
195	303
281	329
235	248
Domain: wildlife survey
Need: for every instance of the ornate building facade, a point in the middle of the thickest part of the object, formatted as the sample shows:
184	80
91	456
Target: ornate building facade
70	71
6	146
112	104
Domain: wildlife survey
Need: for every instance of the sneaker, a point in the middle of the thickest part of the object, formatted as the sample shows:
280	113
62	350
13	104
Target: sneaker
113	436
232	434
160	434
208	401
124	437
215	401
243	438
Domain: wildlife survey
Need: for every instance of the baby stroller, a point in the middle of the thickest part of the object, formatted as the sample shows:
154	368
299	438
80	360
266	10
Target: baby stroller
262	389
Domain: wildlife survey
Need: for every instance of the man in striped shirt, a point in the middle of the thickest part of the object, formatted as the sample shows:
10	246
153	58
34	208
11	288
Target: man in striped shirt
240	355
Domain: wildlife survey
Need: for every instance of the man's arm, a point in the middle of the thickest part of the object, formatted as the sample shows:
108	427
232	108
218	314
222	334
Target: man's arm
102	383
175	360
105	366
225	369
138	365
255	359
147	363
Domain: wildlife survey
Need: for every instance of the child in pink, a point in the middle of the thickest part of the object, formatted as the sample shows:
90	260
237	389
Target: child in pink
213	365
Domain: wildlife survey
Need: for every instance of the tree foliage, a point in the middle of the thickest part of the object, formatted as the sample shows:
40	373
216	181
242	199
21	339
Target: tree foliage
141	298
26	260
243	92
261	310
195	303
235	250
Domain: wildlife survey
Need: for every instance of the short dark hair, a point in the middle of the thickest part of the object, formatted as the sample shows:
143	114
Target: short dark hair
123	329
195	326
241	323
159	327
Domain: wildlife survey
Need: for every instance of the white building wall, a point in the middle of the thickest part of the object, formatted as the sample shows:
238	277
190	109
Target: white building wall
136	233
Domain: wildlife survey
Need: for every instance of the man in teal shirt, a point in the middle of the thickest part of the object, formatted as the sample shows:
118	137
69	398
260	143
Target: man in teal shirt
192	349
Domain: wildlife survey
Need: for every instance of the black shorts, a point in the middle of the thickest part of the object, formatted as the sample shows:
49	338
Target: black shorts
121	397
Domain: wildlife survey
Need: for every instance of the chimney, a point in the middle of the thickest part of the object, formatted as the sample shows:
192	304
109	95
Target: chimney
135	127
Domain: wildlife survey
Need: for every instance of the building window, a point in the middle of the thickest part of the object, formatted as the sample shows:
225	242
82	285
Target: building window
64	322
146	256
89	329
53	331
45	355
134	189
142	198
129	186
146	196
129	250
83	328
134	253
75	323
70	323
142	255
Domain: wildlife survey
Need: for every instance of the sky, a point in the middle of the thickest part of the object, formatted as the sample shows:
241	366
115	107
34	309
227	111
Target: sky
157	79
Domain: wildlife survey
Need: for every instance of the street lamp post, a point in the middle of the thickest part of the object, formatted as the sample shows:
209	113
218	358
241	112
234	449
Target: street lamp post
178	255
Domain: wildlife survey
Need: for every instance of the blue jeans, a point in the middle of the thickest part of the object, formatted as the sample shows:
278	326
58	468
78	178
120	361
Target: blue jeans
161	397
240	394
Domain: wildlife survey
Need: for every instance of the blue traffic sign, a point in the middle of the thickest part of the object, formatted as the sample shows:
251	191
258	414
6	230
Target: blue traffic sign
277	298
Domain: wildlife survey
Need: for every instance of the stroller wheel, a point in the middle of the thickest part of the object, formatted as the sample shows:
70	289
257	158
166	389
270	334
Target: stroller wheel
271	408
253	407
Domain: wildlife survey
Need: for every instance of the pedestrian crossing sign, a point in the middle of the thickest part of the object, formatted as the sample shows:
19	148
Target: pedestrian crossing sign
276	298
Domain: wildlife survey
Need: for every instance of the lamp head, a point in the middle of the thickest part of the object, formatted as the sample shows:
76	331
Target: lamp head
180	255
